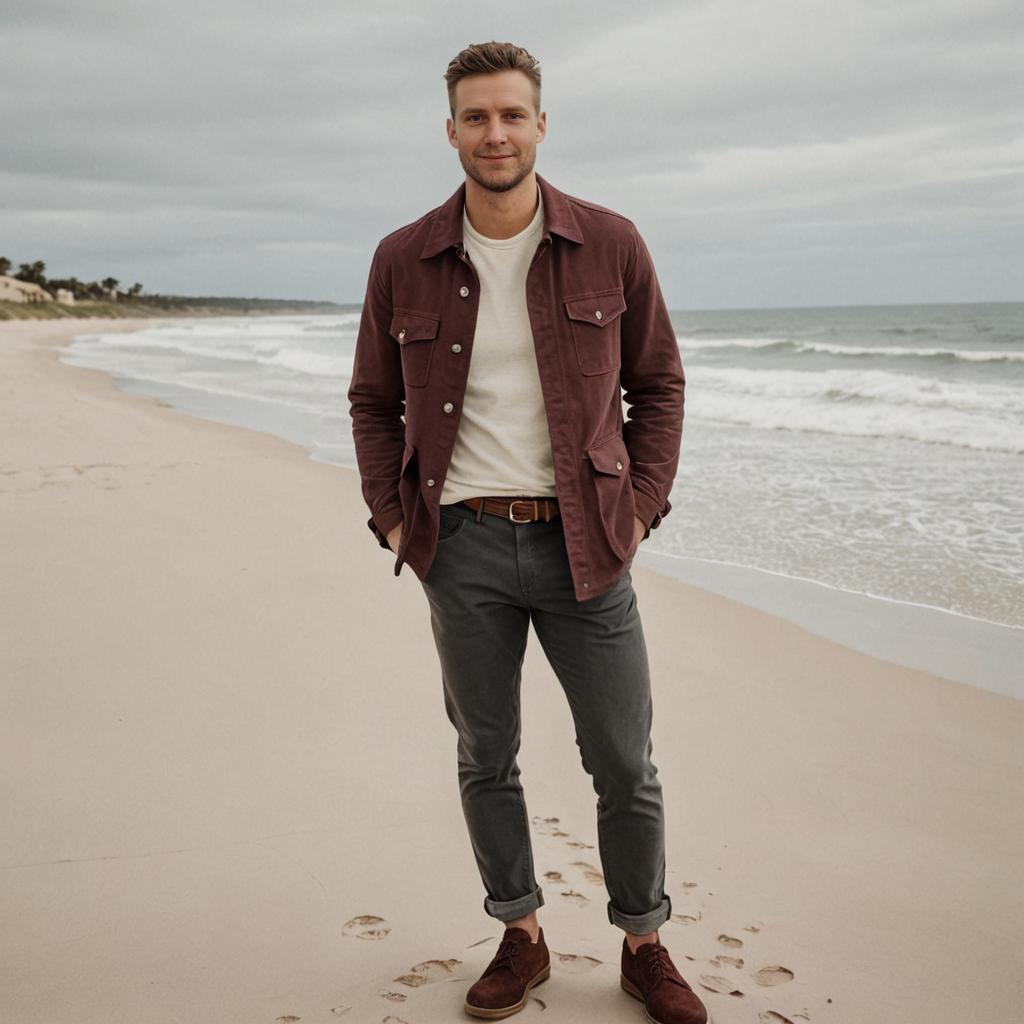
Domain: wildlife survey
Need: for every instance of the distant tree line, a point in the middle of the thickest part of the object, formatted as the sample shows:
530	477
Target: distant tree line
35	273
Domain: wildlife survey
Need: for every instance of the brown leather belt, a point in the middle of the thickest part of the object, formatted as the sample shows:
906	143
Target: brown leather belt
518	510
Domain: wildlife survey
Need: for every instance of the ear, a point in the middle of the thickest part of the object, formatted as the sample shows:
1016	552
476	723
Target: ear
449	128
542	125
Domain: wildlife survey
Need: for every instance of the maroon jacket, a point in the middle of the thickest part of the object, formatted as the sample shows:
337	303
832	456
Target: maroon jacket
599	320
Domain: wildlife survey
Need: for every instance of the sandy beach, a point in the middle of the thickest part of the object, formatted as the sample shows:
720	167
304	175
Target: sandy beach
229	783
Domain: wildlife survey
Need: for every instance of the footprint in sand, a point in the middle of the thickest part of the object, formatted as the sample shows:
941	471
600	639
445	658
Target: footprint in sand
754	926
590	873
286	1020
716	983
572	896
340	1011
547	826
773	975
366	926
686	918
428	971
393	1020
393	997
731	961
772	1017
728	940
554	876
689	885
573	963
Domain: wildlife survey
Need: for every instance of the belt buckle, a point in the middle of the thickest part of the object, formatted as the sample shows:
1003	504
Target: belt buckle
523	501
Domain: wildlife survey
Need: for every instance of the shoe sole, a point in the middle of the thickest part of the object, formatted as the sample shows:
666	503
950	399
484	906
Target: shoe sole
631	989
507	1011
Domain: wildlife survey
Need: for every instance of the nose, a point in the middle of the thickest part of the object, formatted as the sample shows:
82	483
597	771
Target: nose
496	131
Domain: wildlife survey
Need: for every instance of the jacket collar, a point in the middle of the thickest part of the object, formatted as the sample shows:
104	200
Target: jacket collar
446	230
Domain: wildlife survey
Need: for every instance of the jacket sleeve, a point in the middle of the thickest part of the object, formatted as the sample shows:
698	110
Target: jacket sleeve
376	402
654	384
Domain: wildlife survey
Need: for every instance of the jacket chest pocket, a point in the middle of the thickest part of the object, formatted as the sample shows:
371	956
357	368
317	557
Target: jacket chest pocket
415	333
595	322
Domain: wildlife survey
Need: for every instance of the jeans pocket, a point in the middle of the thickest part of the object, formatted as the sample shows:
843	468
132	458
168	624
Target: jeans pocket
449	525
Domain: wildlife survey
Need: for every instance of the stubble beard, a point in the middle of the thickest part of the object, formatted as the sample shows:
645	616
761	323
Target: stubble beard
504	185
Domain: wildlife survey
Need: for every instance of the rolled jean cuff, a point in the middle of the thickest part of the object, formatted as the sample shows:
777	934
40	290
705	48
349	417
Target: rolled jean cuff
509	910
641	924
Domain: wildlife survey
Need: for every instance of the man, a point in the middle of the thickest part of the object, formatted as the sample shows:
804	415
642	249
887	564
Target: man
504	326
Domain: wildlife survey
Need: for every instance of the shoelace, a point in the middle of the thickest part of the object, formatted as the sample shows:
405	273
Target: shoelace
659	963
507	950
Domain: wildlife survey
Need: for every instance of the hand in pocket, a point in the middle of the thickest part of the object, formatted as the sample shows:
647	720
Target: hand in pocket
395	538
639	529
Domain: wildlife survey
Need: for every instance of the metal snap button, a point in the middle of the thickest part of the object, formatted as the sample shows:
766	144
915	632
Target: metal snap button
401	333
456	347
598	314
463	291
618	465
430	483
448	407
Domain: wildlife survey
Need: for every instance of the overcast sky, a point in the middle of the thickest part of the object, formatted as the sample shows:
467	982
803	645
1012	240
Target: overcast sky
772	154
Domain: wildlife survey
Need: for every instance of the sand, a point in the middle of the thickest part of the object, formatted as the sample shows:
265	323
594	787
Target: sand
229	788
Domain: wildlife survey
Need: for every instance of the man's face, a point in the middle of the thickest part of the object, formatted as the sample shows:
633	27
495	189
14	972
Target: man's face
496	129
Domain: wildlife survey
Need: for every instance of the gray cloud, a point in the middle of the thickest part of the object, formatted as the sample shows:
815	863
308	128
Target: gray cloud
795	153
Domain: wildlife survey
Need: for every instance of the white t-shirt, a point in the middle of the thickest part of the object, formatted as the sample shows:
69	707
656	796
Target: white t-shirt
503	446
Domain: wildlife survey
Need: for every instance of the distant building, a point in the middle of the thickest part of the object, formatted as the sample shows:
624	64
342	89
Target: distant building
66	296
13	290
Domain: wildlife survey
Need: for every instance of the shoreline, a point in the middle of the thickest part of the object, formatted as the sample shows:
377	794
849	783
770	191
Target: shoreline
230	772
942	642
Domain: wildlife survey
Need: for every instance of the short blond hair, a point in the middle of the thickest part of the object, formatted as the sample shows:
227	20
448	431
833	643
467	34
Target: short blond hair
488	58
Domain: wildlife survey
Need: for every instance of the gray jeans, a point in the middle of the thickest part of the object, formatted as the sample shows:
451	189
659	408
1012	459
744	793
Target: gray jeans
489	579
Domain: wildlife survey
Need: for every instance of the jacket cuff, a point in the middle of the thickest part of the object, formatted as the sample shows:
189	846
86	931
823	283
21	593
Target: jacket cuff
383	523
650	511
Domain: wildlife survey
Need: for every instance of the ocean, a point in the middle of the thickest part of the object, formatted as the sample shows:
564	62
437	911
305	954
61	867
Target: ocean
874	449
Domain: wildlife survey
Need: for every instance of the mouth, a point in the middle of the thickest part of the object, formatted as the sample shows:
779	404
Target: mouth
503	156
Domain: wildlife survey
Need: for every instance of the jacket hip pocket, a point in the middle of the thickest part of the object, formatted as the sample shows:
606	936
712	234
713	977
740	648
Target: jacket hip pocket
408	495
616	503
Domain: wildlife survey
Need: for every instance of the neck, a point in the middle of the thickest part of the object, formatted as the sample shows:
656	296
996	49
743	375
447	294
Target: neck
501	214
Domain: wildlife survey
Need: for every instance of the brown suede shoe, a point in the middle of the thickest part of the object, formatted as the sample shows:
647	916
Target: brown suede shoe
651	977
518	965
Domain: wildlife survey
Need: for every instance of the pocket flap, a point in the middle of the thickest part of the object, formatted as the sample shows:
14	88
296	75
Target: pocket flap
610	456
407	326
598	309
